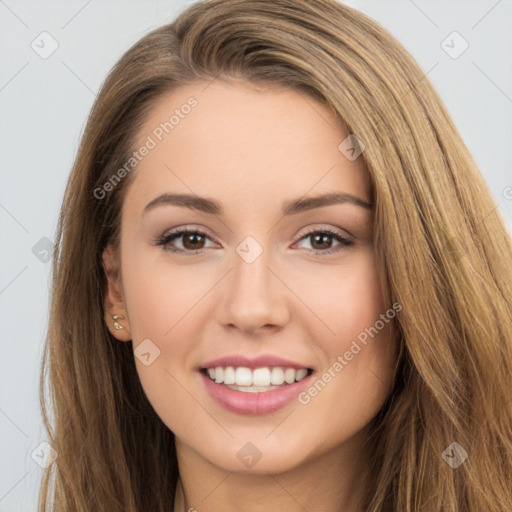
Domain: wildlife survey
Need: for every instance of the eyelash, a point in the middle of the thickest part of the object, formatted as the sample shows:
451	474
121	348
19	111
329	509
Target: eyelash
163	240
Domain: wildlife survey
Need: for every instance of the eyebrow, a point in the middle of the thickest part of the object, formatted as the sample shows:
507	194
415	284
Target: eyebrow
211	206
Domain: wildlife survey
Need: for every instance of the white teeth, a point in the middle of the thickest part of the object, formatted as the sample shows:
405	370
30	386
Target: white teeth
252	389
229	375
277	376
219	375
289	375
265	378
261	377
243	376
300	374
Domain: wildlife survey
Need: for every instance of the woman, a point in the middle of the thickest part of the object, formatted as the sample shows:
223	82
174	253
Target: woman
201	356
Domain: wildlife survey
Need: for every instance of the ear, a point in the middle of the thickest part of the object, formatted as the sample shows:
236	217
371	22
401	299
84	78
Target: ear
114	298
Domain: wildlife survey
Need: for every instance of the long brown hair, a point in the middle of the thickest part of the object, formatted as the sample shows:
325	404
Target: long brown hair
441	245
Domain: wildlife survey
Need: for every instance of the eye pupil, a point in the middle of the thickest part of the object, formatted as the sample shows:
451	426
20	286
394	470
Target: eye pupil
319	236
194	236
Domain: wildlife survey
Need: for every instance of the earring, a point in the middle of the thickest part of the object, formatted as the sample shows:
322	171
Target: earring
117	325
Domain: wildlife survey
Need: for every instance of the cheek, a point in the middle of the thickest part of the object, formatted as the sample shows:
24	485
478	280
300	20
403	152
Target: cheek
363	328
160	298
346	298
358	351
160	295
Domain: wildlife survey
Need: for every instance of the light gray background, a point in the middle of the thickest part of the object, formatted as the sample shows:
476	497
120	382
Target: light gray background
43	107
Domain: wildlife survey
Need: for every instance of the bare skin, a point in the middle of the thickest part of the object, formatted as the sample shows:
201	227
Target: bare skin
252	150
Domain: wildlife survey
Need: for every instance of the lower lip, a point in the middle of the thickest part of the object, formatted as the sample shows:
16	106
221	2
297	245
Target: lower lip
264	402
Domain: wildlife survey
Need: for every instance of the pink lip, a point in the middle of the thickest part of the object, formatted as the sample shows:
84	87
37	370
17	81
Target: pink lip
256	362
254	403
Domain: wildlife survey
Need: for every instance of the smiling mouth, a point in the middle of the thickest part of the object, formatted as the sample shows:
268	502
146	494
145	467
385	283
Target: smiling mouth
257	380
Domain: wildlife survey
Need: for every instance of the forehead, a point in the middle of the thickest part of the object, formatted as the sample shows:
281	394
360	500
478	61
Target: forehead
243	144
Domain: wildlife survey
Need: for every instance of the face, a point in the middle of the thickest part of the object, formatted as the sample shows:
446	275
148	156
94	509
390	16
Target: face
260	286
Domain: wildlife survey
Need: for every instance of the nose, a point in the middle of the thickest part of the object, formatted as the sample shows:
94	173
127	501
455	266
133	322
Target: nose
253	296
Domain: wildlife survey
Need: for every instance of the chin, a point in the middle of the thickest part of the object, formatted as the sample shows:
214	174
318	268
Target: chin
257	457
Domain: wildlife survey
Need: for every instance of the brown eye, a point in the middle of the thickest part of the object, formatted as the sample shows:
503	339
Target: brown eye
192	240
321	241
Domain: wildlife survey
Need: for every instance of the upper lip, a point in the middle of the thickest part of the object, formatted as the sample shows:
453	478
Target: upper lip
260	361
